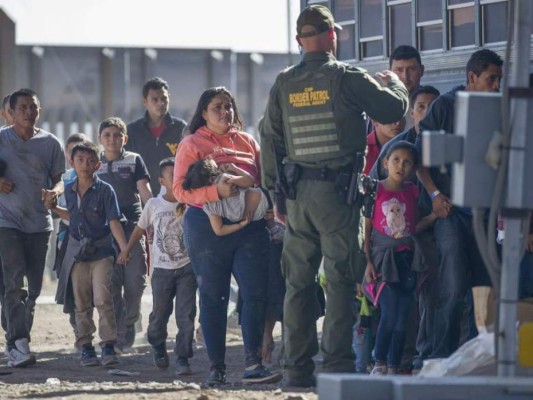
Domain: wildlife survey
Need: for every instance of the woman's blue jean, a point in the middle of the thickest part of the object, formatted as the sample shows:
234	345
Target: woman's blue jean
394	302
214	259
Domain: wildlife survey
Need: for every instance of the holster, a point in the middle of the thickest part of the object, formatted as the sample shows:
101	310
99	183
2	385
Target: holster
288	179
342	185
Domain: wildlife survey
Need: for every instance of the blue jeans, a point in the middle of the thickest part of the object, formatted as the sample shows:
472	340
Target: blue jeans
214	259
460	267
395	302
23	254
360	342
525	284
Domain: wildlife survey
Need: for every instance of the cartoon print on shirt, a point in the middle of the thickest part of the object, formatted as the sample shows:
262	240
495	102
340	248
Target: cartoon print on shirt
168	239
394	212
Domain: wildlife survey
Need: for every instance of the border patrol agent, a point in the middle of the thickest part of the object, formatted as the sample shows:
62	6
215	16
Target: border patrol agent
312	129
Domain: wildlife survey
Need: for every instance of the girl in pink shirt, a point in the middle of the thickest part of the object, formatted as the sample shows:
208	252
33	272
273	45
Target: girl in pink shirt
389	249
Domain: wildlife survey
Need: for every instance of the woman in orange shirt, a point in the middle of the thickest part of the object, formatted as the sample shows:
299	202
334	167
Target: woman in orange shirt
215	132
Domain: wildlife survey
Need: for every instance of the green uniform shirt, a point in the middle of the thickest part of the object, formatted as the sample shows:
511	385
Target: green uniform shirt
329	97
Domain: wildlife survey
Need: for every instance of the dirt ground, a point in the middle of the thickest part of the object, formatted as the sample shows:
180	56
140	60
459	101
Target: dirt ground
58	374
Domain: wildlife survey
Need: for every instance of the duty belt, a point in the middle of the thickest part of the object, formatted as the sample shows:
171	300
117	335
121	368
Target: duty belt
319	174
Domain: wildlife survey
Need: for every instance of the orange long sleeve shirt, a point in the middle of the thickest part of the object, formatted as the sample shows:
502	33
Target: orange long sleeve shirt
235	147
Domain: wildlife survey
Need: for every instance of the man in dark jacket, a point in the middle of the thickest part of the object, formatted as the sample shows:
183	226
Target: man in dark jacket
156	135
460	265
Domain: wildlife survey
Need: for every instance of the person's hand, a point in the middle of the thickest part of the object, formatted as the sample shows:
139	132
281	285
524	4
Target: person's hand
279	216
233	179
226	189
370	272
359	289
529	243
49	198
386	76
123	258
269	215
442	206
6	186
269	218
247	218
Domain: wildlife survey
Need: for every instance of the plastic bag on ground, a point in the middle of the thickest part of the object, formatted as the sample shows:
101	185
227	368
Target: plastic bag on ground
477	356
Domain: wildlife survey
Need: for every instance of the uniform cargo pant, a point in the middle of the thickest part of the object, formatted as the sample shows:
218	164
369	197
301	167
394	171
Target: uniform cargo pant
319	226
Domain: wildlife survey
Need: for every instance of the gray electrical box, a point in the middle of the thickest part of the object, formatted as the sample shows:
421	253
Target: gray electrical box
477	122
477	117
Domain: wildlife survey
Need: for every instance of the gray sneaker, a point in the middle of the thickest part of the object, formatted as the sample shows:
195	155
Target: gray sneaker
19	356
260	374
23	345
17	359
183	368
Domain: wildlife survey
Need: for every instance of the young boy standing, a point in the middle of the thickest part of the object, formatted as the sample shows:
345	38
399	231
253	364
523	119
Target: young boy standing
93	213
62	295
173	278
126	172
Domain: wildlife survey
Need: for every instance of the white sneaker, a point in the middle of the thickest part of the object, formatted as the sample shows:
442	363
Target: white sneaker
379	370
17	359
20	355
23	345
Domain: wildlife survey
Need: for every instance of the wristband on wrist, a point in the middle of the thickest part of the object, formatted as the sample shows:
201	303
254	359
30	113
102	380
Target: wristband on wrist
434	194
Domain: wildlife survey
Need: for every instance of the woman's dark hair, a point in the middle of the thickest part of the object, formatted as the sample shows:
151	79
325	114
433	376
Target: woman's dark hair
404	145
198	121
200	174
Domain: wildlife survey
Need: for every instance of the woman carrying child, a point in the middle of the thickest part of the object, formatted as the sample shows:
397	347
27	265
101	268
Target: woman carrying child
249	204
215	133
393	254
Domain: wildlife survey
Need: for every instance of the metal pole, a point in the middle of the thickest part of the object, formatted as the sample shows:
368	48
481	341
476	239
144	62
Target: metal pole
514	241
233	72
127	83
289	36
